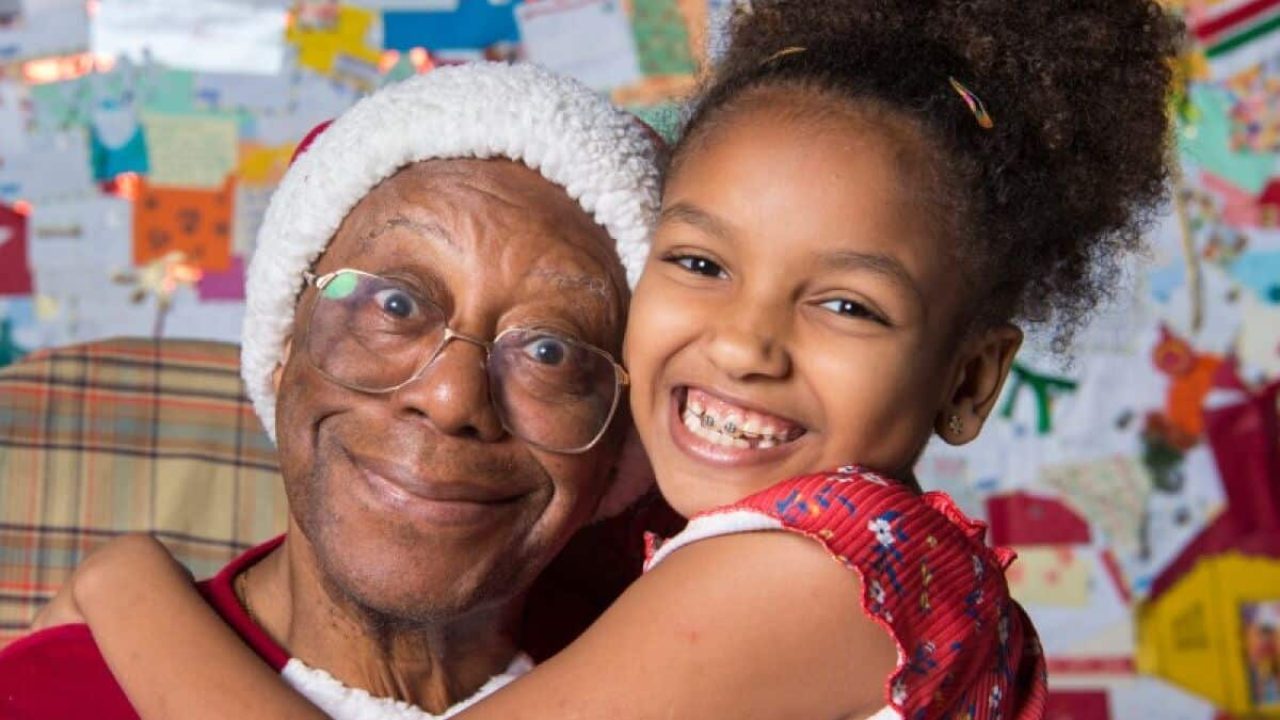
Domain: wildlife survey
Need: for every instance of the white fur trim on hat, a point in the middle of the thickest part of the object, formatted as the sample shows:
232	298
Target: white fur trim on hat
600	155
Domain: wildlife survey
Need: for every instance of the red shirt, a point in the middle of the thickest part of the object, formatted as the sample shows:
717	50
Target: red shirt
59	672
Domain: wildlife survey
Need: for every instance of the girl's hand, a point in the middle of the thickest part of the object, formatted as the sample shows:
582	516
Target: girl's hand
127	558
61	610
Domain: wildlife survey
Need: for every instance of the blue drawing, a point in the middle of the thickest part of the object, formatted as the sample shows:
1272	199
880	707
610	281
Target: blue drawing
474	25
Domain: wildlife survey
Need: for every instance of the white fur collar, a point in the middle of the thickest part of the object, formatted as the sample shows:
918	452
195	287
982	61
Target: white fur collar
341	702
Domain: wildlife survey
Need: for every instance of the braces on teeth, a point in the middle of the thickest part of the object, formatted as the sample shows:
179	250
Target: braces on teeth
731	431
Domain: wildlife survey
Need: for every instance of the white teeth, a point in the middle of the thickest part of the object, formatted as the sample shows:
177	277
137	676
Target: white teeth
727	432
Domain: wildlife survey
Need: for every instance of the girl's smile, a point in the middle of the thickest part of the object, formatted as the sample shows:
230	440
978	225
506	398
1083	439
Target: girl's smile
718	430
797	308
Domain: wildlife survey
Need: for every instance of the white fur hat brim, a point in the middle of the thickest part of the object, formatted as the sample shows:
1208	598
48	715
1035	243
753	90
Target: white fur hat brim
604	159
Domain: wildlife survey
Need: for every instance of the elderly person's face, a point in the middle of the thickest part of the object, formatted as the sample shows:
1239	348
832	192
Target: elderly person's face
496	246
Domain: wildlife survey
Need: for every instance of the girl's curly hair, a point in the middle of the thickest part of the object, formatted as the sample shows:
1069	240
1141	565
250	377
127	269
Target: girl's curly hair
1044	204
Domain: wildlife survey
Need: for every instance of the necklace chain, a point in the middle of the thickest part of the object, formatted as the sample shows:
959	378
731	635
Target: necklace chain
242	594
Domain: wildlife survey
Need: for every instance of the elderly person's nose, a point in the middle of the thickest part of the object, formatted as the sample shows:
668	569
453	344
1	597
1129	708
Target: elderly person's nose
453	394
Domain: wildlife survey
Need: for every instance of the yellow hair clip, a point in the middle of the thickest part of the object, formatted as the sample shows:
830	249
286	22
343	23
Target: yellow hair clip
793	50
975	105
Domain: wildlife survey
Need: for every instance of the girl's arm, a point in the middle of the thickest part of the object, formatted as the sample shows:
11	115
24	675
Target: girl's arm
752	625
757	625
170	652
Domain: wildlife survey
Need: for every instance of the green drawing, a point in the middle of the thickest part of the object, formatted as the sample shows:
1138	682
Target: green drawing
1044	387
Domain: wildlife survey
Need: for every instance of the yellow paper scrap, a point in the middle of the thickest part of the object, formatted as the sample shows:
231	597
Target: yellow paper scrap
1049	576
264	164
319	47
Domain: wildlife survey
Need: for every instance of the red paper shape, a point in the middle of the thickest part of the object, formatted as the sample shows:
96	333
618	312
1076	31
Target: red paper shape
1243	436
1023	519
1078	705
15	271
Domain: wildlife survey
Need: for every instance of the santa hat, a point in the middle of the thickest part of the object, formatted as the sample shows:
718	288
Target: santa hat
604	158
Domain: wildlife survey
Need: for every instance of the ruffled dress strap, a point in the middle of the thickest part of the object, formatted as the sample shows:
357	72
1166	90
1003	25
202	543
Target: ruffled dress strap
965	648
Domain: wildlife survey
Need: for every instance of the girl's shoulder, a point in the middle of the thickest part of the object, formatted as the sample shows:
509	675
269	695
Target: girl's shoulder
928	578
857	515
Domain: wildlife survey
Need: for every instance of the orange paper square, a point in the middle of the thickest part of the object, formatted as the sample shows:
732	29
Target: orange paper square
195	222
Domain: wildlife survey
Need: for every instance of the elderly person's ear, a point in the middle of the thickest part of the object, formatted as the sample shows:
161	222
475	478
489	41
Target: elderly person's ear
284	360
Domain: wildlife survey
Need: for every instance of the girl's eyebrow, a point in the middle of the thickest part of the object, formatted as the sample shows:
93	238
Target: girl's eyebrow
878	263
692	215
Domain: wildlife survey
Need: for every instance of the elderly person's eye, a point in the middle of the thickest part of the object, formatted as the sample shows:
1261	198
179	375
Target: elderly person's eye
547	351
397	303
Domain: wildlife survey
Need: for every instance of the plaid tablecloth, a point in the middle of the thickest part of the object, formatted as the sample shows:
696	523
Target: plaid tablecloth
120	436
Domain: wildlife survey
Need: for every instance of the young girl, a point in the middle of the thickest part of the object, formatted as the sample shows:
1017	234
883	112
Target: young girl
865	198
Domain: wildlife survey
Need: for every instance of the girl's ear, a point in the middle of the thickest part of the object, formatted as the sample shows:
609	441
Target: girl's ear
284	360
986	359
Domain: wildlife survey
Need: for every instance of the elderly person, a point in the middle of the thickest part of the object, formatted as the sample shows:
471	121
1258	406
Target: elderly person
435	312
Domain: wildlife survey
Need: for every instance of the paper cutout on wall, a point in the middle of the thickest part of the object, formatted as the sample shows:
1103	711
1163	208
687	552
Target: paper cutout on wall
252	94
470	25
196	223
586	39
90	237
662	38
197	151
11	350
1078	705
44	28
1196	633
320	48
1237	35
208	35
223	284
1240	209
117	144
14	111
15	268
53	167
163	90
1258	346
1111	492
1208	144
264	165
1190	378
1023	519
1255	116
1260	272
1044	390
1049	576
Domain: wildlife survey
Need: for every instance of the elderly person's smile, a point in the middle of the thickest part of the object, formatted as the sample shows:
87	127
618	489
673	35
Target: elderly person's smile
400	445
434	320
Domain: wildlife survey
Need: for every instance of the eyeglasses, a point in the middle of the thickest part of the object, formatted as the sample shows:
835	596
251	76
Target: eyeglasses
375	335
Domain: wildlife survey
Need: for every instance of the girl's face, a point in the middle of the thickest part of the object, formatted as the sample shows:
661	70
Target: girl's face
798	312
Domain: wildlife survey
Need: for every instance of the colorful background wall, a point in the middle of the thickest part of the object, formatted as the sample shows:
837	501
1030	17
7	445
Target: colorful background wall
140	141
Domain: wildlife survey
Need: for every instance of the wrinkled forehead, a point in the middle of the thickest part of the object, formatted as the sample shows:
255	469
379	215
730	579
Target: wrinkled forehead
483	215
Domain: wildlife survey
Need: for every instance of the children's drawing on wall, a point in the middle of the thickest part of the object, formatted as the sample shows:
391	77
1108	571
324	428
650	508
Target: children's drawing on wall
10	12
1260	625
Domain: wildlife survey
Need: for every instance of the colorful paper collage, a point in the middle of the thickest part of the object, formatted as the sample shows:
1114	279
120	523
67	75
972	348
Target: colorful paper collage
1102	472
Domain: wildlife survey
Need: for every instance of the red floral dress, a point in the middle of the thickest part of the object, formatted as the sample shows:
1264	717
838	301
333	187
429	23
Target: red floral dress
966	650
